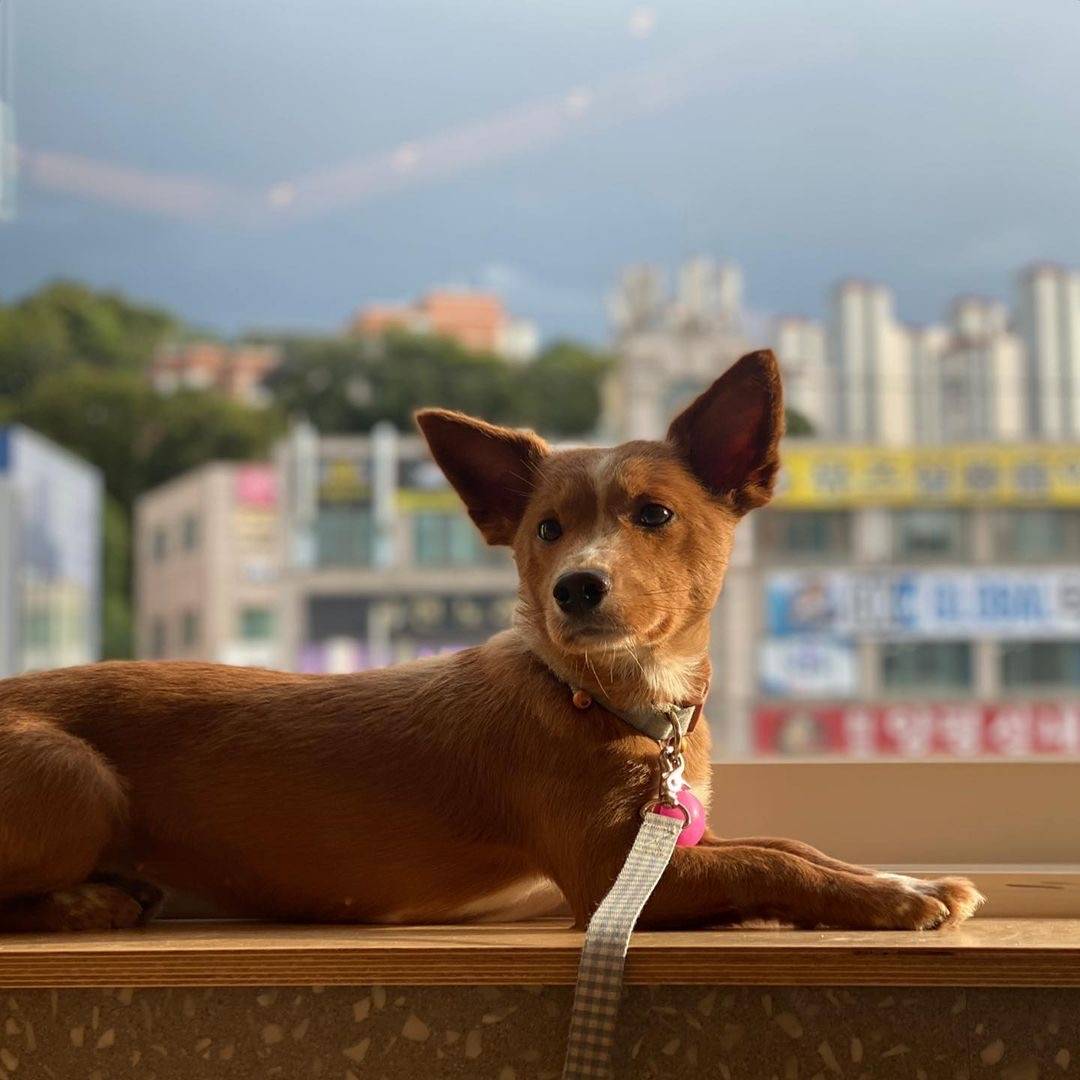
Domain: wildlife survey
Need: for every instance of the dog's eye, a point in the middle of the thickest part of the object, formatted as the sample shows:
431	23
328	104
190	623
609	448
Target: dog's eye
549	530
653	515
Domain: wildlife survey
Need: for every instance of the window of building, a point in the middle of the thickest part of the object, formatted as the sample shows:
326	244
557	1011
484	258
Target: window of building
931	534
445	539
189	629
1040	665
160	543
256	624
344	536
1036	535
926	666
823	535
189	532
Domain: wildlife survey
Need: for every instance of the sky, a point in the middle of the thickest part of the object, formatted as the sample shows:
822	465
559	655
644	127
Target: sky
260	164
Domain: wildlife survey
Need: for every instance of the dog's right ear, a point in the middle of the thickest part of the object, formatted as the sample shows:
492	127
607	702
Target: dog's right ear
492	468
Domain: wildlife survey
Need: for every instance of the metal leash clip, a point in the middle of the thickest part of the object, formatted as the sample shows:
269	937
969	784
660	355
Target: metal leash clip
672	765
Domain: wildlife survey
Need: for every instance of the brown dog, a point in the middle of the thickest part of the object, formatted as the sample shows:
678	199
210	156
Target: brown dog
454	788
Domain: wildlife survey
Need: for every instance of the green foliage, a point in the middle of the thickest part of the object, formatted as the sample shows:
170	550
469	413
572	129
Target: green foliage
117	637
348	385
560	392
797	424
138	438
99	415
65	323
193	427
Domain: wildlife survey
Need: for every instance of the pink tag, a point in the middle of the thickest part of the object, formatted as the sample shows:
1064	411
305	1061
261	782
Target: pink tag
694	830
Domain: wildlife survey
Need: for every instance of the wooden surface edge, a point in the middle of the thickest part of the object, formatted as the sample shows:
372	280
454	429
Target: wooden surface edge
994	953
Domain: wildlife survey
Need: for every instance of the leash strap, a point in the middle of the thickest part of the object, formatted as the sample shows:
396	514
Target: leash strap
599	982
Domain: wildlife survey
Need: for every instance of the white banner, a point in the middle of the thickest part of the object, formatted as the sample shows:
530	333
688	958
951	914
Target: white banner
944	604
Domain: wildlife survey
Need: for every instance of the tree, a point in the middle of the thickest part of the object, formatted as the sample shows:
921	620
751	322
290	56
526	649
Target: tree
560	392
101	416
66	323
797	423
193	427
350	385
116	620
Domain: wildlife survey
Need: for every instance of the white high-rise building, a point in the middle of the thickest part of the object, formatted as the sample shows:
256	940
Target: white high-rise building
1048	320
800	348
869	356
977	392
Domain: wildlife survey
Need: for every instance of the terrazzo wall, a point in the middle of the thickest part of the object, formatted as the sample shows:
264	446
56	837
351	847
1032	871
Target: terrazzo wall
517	1033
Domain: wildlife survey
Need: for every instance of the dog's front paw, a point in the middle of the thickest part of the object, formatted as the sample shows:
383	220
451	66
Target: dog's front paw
957	896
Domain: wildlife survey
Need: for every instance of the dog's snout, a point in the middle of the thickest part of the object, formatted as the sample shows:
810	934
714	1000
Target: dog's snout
581	591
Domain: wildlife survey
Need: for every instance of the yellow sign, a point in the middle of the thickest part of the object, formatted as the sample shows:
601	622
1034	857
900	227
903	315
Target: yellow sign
417	499
1030	474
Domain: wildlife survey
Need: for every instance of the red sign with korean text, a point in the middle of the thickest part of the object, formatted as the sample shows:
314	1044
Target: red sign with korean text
921	729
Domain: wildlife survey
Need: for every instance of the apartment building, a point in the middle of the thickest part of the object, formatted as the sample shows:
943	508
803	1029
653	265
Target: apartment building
476	321
50	555
861	375
207	567
1048	319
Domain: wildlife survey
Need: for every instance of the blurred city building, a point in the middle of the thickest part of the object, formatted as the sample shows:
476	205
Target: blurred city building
892	601
906	602
381	564
862	375
50	555
476	321
1049	321
238	371
207	567
669	346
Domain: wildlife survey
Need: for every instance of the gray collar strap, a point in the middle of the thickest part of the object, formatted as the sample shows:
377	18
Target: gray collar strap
655	720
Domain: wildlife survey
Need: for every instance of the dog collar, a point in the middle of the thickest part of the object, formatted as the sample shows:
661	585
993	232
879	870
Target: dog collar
654	721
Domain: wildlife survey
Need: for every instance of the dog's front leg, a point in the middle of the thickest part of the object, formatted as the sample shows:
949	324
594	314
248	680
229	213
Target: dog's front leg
720	884
792	847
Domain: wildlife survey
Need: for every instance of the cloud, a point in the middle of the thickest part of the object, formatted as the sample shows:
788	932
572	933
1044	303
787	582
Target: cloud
523	128
642	22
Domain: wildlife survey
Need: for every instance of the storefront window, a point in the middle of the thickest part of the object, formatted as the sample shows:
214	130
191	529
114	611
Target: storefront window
926	666
1035	535
931	534
1034	665
804	534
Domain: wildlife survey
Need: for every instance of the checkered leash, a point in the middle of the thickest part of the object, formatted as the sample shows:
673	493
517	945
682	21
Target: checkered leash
603	956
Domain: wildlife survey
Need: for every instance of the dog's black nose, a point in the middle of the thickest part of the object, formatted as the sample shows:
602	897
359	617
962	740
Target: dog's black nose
580	591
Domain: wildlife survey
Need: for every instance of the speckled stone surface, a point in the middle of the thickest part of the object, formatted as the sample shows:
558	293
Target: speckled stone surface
517	1033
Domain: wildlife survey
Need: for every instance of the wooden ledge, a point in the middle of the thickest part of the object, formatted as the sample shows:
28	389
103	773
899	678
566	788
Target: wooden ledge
986	952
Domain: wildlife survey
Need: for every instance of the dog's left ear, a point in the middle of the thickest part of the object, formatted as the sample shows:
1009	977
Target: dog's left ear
730	436
492	468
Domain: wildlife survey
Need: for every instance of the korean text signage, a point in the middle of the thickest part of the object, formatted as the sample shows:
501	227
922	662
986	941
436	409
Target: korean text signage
822	476
917	730
946	604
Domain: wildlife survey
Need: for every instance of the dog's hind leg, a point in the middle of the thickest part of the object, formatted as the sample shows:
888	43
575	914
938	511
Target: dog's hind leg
61	807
